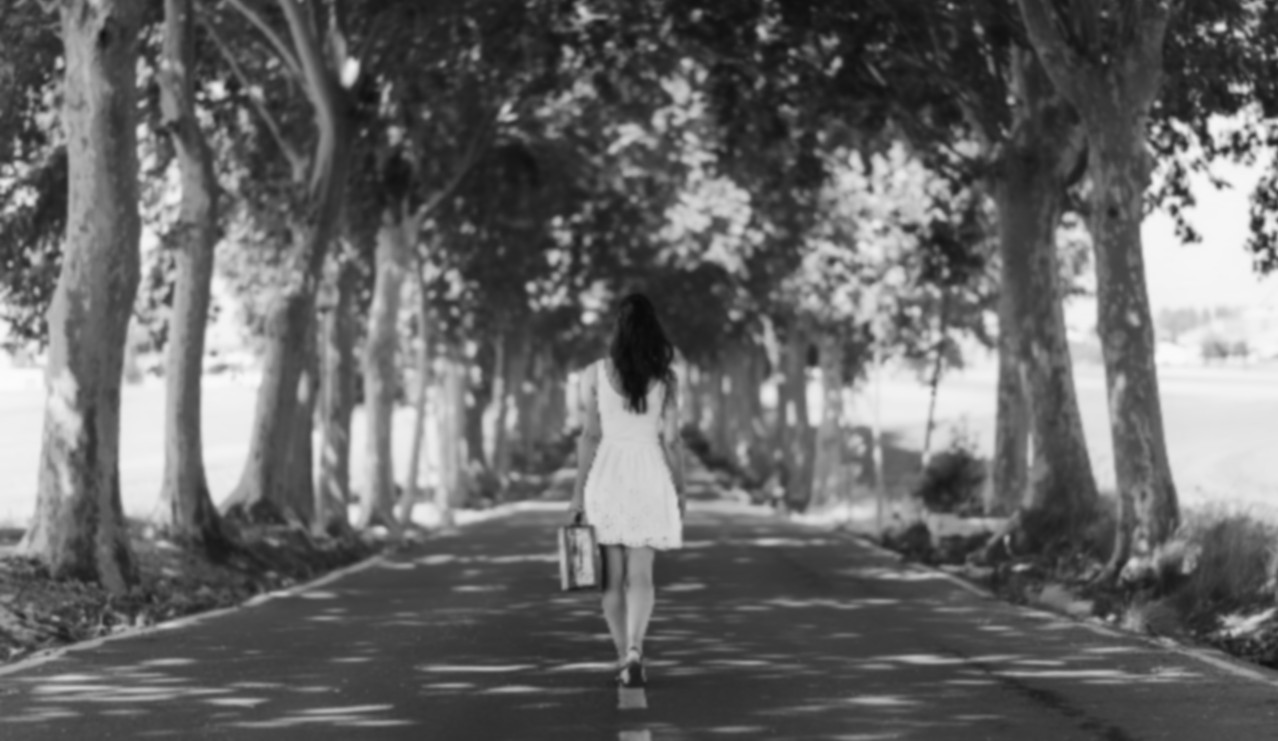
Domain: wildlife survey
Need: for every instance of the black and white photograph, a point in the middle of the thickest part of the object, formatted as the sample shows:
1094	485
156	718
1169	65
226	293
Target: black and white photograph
639	370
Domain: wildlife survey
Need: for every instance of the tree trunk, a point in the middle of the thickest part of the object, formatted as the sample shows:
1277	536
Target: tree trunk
495	415
299	464
478	396
337	401
79	530
1112	74
828	485
1119	173
186	509
798	452
262	493
1009	475
876	443
934	384
412	491
451	420
515	358
1061	488
394	240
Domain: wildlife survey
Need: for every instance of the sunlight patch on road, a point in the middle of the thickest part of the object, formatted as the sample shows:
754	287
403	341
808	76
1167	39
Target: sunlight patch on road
634	736
512	689
236	702
474	668
882	701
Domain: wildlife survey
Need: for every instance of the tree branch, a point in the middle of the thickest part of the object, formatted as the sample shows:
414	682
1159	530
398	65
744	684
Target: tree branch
478	143
276	41
292	155
320	86
1071	73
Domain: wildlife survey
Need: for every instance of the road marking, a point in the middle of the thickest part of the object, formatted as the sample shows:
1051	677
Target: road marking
634	736
632	699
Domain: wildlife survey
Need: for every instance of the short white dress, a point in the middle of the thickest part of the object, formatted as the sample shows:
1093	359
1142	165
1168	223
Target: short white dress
630	495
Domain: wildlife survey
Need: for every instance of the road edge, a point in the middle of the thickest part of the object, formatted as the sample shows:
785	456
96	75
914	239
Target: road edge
1211	656
45	656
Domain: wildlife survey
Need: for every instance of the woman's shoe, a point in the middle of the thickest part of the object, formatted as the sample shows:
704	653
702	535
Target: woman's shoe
632	674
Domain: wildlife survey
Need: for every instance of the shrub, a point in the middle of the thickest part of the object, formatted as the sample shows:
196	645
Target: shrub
1235	559
952	481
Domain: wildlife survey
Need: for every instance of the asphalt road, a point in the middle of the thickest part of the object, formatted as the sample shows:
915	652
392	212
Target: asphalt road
763	630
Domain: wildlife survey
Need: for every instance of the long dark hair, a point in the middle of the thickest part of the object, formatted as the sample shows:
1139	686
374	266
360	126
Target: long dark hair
640	351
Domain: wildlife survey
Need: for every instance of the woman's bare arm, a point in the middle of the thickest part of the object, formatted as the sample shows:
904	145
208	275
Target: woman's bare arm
591	434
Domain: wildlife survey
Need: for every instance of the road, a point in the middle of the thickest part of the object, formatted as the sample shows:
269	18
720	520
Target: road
764	630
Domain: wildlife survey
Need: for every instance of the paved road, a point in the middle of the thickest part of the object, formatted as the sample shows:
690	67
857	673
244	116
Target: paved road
764	630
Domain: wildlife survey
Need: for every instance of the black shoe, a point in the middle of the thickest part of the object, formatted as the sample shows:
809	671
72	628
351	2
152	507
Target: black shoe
632	674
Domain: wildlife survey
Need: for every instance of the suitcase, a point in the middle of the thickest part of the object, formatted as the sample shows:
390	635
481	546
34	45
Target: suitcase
580	569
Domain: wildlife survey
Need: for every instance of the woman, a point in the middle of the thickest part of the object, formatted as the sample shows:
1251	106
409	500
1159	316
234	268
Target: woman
631	488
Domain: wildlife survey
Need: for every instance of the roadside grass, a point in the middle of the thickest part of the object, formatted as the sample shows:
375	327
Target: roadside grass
39	612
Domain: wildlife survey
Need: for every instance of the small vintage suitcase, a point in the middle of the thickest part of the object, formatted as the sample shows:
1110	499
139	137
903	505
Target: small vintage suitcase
579	567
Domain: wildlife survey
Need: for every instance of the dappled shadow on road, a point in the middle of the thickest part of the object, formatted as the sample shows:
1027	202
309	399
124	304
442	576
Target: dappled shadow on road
761	631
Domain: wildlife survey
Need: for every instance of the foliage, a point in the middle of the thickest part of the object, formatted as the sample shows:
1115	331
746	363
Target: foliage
952	480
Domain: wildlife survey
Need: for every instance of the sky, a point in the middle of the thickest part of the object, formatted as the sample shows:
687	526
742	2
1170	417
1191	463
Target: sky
1218	270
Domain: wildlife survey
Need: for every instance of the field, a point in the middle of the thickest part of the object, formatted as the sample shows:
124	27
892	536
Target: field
1221	429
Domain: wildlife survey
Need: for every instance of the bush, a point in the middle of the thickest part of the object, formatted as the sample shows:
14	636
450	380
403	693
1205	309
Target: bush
952	481
1234	564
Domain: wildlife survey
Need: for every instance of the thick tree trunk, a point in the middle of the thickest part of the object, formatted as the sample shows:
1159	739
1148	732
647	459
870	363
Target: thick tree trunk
1119	171
828	484
79	530
451	421
421	393
299	464
186	510
380	379
1061	488
337	402
1062	491
262	492
1112	72
1009	474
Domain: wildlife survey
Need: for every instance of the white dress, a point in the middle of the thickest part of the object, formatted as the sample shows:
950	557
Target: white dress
630	494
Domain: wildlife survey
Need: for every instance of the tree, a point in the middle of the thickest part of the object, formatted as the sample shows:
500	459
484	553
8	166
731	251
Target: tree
1107	59
79	528
185	505
314	57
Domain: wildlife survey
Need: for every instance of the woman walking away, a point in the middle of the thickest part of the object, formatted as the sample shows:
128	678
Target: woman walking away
630	485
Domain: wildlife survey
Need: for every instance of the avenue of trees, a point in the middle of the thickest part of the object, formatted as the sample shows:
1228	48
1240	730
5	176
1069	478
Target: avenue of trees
436	203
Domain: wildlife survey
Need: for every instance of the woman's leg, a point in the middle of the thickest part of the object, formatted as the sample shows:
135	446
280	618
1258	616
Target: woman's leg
614	596
640	595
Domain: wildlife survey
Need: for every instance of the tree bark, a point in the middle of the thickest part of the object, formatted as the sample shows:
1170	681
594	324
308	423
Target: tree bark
79	530
336	402
1112	90
828	485
798	452
394	240
514	371
262	493
1009	475
451	421
299	460
412	492
1061	493
934	385
186	508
